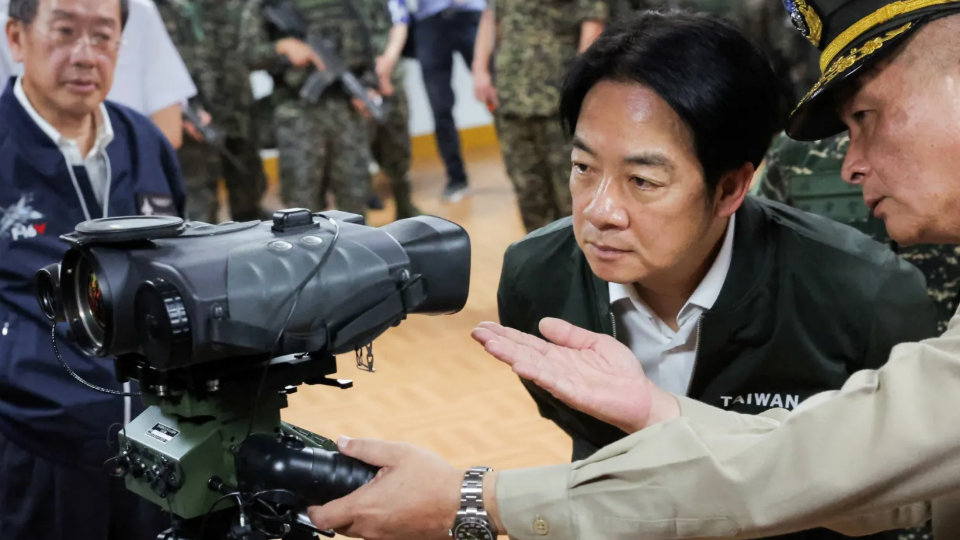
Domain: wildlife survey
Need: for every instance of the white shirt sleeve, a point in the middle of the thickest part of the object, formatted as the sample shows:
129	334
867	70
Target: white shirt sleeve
166	80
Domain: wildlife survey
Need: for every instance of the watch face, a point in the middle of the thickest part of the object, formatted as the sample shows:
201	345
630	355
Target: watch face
472	529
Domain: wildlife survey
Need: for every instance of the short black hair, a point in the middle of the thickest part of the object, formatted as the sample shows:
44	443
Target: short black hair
25	11
715	78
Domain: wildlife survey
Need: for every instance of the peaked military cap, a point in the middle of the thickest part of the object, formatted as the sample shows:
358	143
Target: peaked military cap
852	35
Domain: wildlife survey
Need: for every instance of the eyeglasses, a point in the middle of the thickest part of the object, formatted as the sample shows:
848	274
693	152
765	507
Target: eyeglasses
68	36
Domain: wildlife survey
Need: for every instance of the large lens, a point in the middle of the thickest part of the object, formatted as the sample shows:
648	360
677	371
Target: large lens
90	302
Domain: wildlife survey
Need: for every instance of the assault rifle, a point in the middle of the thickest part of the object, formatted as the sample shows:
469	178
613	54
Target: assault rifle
287	22
211	136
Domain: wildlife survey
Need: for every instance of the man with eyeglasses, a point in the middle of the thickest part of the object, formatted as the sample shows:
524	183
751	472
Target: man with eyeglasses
67	156
150	78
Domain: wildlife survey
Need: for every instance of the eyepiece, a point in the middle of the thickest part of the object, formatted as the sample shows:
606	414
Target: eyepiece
439	251
47	283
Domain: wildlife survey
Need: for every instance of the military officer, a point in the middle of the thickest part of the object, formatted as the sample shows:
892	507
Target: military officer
534	39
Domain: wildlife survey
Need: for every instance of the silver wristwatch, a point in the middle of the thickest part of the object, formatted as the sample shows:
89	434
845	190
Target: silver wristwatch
472	521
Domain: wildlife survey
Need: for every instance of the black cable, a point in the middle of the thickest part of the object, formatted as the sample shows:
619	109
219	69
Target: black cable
285	519
173	519
296	292
203	524
53	335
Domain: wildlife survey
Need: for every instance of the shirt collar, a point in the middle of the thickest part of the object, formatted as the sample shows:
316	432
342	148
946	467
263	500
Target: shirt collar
707	291
104	127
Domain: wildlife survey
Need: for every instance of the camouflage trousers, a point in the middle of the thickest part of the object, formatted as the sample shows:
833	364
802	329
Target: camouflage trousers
537	156
391	148
203	166
323	147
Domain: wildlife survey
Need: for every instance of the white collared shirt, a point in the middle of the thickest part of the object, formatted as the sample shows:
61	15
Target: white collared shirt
668	357
95	162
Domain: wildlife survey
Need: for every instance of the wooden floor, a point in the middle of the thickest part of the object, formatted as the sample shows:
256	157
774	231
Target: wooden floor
434	386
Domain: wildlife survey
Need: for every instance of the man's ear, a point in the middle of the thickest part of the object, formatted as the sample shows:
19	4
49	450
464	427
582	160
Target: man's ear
732	189
16	34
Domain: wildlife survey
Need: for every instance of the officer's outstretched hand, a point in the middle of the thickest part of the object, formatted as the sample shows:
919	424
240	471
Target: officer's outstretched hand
592	373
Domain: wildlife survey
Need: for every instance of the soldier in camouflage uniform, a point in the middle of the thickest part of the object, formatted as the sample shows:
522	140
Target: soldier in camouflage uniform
325	145
536	39
807	175
390	141
206	33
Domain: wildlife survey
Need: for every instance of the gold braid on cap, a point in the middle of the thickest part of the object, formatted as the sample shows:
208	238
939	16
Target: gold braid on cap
878	17
851	58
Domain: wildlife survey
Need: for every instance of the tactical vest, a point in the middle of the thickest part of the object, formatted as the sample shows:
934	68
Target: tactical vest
342	24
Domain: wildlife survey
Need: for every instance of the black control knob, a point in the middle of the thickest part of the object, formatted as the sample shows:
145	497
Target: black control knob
162	322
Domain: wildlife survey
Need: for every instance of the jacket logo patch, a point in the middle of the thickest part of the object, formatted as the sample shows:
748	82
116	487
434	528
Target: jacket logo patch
760	399
155	204
21	220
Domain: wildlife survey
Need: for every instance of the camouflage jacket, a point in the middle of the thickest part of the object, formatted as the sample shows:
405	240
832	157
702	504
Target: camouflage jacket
535	41
207	35
347	25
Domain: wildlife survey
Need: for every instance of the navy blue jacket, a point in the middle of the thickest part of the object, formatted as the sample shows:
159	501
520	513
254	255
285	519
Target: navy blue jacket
42	408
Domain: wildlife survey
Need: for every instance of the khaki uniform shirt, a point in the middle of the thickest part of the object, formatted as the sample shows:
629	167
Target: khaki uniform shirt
881	453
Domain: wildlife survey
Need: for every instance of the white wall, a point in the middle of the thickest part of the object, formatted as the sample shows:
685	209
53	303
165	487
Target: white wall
468	112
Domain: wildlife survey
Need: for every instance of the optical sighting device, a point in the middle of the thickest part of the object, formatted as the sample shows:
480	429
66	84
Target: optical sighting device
218	324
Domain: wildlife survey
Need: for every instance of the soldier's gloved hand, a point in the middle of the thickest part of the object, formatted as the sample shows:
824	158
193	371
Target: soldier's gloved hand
484	90
592	373
299	53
